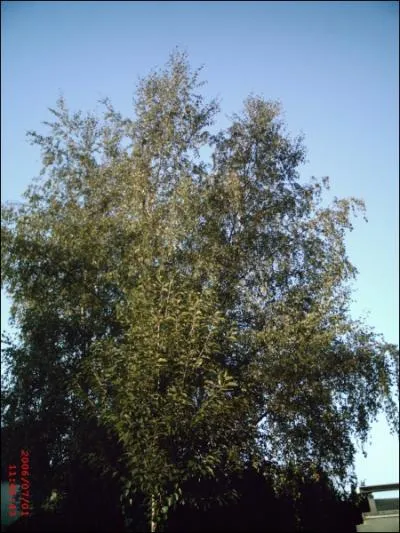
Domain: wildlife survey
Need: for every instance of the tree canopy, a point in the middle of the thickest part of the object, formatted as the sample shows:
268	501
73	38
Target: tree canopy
180	318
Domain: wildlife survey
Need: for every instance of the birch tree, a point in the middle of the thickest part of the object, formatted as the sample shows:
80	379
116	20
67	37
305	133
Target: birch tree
197	313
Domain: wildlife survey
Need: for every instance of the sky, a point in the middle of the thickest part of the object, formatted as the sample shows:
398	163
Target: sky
333	65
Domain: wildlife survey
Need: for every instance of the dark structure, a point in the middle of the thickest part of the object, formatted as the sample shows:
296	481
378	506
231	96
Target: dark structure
92	506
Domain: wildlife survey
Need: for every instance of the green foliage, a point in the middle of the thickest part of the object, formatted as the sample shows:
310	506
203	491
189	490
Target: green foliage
196	313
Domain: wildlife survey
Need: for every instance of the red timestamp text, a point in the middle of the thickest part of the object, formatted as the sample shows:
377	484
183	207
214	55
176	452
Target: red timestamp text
25	502
12	491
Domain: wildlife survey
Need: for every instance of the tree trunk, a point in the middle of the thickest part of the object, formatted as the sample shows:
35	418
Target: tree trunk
153	524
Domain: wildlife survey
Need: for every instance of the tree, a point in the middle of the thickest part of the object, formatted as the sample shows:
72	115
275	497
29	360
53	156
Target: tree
260	508
196	313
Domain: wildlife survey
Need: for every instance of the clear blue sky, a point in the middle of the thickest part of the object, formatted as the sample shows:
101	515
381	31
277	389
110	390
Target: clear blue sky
334	66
